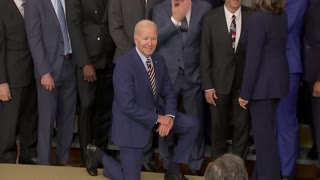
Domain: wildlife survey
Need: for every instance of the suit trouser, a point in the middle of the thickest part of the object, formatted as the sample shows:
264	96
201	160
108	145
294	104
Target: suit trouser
95	110
287	128
57	106
131	158
226	104
19	117
315	104
193	104
263	117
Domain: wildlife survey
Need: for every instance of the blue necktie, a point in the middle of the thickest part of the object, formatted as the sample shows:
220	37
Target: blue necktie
63	26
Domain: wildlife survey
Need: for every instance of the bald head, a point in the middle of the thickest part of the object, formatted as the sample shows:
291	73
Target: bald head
145	37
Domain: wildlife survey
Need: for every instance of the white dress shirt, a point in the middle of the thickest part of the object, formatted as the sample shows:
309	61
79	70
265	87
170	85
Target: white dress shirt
19	6
55	7
228	16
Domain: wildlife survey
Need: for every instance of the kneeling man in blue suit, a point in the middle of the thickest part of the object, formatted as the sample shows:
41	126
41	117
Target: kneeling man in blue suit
141	82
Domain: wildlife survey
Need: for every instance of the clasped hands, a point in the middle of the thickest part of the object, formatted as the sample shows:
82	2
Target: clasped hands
165	125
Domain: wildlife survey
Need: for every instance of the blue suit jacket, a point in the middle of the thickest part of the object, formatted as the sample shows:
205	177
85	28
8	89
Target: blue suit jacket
133	111
44	37
170	43
266	73
295	11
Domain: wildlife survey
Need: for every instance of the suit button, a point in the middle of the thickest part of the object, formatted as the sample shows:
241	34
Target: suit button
96	12
98	38
61	42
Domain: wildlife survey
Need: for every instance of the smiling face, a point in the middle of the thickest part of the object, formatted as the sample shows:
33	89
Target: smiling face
233	5
145	38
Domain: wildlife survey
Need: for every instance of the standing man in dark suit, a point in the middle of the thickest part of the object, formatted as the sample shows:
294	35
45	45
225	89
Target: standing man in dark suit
311	57
179	23
140	80
287	126
123	16
17	87
93	51
265	81
55	76
222	63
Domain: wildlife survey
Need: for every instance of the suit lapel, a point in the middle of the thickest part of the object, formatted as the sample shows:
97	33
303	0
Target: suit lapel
142	70
244	14
15	9
225	32
50	10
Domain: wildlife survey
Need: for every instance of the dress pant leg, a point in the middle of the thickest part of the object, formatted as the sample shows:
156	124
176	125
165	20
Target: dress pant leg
28	123
315	103
219	124
193	103
263	115
66	111
187	130
47	109
103	108
287	128
240	122
87	94
9	120
129	167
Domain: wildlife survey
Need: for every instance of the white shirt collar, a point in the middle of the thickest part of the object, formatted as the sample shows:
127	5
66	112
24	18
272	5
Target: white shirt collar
229	14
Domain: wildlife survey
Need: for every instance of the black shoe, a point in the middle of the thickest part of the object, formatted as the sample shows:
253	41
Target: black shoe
287	178
91	164
148	166
194	172
174	177
32	161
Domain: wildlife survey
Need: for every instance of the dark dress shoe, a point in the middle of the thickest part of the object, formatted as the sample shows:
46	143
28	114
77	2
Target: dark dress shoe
148	166
32	161
287	178
194	172
174	177
91	164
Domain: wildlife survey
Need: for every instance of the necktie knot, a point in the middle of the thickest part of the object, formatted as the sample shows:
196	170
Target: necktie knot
148	62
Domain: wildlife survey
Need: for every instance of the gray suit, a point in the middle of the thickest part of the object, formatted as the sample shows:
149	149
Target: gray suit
182	57
123	16
47	48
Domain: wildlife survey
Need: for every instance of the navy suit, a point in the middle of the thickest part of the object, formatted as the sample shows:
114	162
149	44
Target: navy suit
47	48
287	123
135	113
265	81
182	57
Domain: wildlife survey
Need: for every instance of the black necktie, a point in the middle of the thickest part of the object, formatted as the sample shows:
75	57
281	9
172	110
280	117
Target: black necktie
184	25
233	31
152	76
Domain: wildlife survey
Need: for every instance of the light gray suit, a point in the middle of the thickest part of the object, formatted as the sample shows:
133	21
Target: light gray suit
182	57
47	49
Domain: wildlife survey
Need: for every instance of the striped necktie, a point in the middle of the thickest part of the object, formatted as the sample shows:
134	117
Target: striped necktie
151	75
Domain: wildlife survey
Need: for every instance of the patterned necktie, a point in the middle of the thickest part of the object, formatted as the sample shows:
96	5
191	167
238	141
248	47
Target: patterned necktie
151	75
63	26
233	31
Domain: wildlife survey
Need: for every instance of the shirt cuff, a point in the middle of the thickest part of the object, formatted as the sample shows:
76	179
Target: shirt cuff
175	22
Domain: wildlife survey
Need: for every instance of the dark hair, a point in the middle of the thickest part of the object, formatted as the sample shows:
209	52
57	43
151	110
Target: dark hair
226	167
273	6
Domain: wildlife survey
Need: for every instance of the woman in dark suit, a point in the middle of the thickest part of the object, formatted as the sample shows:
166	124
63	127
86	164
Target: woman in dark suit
265	80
